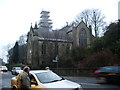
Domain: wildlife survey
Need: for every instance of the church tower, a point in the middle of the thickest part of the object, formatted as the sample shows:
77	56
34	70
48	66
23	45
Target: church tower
45	23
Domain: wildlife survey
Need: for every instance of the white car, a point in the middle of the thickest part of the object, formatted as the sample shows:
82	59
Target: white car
47	79
3	69
16	70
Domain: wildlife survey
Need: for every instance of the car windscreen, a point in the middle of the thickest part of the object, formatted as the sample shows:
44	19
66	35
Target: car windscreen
4	67
48	77
17	68
110	69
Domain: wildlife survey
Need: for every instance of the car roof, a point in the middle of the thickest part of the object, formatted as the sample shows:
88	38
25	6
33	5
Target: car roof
15	67
110	69
38	71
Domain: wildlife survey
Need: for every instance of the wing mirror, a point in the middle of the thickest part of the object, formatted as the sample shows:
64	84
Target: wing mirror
33	83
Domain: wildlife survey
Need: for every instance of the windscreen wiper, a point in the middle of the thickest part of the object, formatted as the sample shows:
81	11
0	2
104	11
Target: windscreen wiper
54	80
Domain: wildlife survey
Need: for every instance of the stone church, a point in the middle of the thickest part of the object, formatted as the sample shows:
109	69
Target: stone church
45	45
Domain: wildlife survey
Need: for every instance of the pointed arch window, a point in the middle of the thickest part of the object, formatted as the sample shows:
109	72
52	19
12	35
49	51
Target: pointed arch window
43	48
83	38
56	49
67	48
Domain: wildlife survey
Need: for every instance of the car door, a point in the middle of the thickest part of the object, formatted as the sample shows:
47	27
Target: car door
35	83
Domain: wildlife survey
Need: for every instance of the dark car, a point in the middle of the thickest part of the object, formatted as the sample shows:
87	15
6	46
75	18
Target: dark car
108	73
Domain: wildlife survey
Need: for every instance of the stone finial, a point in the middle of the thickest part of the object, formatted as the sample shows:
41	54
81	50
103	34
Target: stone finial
81	18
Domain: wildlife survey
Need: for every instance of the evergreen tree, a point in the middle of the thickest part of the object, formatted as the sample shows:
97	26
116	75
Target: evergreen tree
16	53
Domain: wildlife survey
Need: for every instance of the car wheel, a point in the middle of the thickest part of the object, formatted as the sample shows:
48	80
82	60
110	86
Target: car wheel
103	79
14	88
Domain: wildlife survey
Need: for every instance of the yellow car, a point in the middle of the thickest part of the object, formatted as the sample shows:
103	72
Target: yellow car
46	79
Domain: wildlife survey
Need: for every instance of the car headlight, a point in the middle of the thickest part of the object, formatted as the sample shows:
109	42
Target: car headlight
78	88
17	71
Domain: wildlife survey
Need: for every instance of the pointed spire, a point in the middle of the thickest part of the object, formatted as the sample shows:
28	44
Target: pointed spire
36	27
67	23
81	18
90	28
31	26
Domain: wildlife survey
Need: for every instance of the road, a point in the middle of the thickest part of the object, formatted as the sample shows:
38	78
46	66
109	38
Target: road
5	80
88	83
91	83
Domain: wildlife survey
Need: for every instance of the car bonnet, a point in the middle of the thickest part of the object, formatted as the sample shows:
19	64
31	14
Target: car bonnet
62	84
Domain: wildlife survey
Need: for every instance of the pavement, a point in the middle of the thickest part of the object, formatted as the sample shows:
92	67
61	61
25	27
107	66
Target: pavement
0	80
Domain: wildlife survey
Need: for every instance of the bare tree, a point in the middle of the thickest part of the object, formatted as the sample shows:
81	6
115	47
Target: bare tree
97	21
85	15
22	39
92	17
5	51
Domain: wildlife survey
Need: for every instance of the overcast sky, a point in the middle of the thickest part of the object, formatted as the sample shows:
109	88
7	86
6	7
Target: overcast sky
16	16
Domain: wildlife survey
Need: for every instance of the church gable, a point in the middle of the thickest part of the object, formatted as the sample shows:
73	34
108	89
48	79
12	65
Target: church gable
82	35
